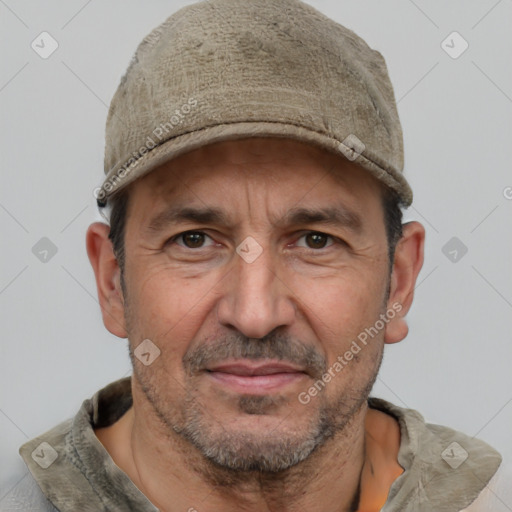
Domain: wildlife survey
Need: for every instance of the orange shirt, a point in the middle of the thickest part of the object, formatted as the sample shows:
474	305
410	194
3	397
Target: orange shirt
381	466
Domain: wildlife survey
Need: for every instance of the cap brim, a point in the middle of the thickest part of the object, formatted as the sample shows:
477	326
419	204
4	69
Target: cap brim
118	178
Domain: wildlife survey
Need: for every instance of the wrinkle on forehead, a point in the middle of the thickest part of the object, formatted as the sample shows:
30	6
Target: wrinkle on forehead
258	153
267	176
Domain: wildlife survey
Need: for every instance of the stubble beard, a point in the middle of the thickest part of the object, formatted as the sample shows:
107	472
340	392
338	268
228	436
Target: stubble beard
249	452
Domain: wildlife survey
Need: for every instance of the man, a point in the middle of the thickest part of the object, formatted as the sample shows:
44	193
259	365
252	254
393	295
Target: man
257	264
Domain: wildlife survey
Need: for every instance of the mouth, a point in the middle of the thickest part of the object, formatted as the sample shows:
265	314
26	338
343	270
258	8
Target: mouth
255	377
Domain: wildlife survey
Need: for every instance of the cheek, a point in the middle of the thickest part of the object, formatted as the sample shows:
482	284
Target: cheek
342	300
340	310
344	322
164	305
169	312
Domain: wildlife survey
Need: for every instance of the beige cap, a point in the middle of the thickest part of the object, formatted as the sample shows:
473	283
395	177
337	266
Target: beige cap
228	69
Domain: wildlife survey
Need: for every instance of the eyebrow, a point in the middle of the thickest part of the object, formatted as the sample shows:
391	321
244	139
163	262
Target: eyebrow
334	216
177	214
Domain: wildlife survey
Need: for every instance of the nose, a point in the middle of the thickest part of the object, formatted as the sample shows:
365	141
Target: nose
256	300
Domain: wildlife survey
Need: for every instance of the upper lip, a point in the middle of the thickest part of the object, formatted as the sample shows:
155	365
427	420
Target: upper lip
253	368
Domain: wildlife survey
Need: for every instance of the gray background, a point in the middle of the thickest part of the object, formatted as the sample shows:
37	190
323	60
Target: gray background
456	113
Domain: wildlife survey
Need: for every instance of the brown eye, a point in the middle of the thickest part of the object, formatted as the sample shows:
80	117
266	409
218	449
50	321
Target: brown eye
193	239
316	240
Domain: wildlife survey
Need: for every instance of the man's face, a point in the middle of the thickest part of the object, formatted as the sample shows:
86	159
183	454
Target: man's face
253	265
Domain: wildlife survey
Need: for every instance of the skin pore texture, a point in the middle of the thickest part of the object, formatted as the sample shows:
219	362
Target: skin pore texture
217	423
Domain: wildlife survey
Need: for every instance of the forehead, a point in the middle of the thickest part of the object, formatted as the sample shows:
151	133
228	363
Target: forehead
270	160
270	174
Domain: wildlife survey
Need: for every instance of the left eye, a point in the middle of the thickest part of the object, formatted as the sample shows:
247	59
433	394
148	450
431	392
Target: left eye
192	239
315	240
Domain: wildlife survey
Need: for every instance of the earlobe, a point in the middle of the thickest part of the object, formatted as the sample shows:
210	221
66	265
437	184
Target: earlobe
406	267
107	274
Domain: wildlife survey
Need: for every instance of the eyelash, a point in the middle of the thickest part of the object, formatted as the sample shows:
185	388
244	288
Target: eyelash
334	239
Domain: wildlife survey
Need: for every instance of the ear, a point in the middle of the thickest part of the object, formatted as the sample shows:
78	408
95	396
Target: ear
406	267
108	278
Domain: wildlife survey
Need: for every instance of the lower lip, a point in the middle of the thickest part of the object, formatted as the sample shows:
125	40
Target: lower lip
256	384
